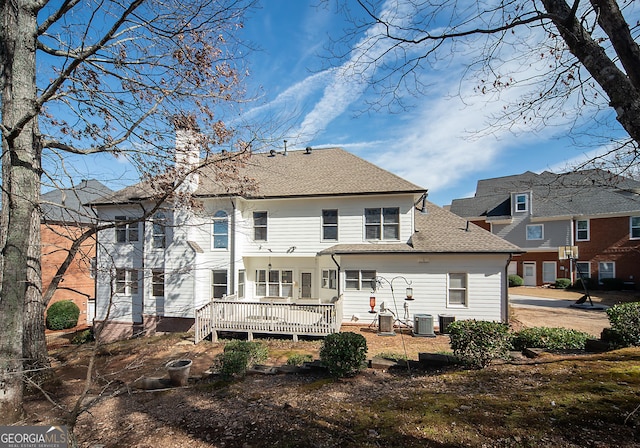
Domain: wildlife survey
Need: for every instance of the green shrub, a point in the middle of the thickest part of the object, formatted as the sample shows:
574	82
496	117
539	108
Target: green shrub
83	337
612	284
344	354
515	280
478	343
550	338
62	315
625	323
297	359
238	356
562	283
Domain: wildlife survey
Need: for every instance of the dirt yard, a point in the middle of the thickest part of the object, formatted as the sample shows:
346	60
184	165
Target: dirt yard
310	410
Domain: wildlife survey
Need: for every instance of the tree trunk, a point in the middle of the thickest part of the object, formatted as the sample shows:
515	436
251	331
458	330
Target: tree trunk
624	96
21	280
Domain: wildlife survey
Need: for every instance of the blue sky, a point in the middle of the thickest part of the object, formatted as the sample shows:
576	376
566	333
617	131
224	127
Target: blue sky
436	144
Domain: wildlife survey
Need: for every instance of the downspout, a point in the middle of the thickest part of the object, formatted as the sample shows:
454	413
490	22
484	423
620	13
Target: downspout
232	249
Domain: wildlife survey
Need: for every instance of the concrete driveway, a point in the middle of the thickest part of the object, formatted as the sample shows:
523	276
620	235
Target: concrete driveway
531	311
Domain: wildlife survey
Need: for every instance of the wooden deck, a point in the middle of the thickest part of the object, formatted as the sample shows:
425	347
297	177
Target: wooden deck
269	316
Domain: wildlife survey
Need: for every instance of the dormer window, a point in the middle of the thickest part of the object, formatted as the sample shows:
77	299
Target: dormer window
522	203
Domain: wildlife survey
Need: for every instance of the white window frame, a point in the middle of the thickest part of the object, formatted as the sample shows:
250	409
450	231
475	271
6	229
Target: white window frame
359	279
587	230
242	276
525	204
157	283
382	225
215	285
159	230
258	227
634	227
126	232
464	288
329	279
544	272
220	217
326	226
531	226
127	282
585	274
613	270
274	282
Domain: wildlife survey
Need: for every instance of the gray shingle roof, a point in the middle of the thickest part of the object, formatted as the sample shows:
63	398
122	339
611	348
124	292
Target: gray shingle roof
322	172
66	205
579	193
437	231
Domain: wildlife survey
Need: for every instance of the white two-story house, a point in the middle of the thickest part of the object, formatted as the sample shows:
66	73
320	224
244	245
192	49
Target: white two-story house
318	226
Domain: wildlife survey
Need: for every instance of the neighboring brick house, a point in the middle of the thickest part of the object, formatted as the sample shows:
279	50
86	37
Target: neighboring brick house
595	210
64	219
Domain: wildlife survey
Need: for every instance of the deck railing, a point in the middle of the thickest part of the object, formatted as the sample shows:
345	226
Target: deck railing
300	318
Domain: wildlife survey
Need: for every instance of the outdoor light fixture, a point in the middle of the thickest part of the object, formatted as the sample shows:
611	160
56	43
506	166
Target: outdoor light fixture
409	293
372	304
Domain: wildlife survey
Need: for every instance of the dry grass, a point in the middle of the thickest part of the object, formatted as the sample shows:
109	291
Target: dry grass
559	401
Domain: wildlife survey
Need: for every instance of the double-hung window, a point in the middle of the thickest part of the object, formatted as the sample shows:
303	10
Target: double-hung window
157	283
329	279
457	289
127	282
260	226
330	225
219	284
126	232
220	230
360	279
382	223
522	203
159	231
634	232
582	230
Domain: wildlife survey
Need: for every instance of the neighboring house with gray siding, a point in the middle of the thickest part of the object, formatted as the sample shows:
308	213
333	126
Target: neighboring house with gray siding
318	227
594	210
